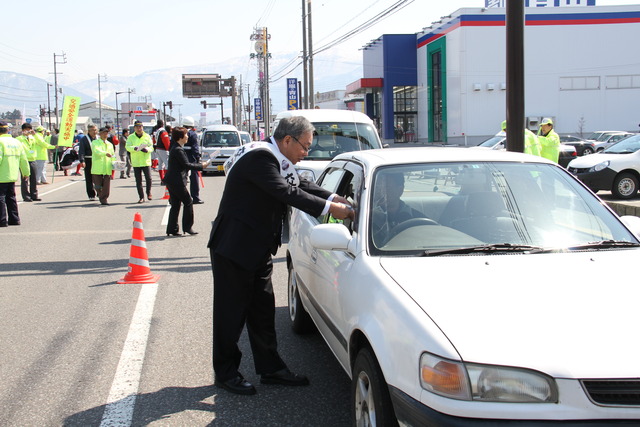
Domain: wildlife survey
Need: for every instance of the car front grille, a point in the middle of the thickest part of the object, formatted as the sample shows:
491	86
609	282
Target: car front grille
578	170
613	392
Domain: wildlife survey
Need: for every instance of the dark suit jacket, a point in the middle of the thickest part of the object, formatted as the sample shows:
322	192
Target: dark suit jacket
253	205
178	166
84	147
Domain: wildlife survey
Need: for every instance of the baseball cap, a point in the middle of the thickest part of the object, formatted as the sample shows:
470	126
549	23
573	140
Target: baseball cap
546	121
504	125
39	129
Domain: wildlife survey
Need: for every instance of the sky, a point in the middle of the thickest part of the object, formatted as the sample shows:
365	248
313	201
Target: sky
127	38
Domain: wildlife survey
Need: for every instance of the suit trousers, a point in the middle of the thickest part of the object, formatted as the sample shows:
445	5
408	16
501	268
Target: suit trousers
88	179
178	195
194	185
137	172
29	189
8	204
242	296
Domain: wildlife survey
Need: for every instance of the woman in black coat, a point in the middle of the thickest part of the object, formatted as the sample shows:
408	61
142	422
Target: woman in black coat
176	182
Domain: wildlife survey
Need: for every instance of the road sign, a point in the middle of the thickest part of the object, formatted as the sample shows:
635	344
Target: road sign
292	94
257	102
28	119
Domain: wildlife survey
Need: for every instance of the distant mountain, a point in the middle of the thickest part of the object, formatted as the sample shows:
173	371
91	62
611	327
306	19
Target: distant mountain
331	72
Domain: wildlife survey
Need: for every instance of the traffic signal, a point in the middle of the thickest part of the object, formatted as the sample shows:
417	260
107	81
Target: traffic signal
170	105
204	104
42	112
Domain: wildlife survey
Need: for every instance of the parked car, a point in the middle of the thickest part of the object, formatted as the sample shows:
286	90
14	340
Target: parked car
606	138
218	142
617	169
499	141
583	147
460	310
245	137
337	131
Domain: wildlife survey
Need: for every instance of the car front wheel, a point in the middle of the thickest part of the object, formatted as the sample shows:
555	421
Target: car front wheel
587	151
625	186
371	403
301	322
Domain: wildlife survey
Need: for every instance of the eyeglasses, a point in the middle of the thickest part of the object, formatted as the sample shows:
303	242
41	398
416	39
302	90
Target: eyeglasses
306	149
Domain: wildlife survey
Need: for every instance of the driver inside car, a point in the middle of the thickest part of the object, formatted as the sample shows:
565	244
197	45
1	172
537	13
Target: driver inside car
389	210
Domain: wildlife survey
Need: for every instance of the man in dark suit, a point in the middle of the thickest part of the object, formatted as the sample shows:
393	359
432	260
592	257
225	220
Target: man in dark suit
84	151
260	185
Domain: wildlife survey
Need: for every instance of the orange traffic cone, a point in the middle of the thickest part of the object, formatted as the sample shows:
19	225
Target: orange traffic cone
139	271
166	194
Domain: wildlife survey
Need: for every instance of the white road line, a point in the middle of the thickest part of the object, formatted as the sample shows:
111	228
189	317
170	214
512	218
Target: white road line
122	397
165	217
55	189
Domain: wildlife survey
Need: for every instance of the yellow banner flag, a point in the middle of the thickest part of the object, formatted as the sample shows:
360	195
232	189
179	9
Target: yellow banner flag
70	109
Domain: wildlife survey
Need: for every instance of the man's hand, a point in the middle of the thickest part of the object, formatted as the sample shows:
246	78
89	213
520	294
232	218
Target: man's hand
144	150
341	211
340	199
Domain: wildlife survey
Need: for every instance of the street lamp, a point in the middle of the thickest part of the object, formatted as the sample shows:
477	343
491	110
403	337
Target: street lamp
128	91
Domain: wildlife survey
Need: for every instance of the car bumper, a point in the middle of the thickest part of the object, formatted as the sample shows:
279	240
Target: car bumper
410	412
601	180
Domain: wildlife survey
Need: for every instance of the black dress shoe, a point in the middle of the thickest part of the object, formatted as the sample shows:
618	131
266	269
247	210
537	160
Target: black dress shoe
284	377
191	232
198	202
14	223
3	224
237	385
27	200
174	234
36	199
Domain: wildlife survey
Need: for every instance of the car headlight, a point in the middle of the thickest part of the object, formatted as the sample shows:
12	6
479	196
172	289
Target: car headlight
307	174
600	166
487	383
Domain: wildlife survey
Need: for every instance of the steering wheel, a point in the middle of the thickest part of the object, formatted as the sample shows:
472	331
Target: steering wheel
413	222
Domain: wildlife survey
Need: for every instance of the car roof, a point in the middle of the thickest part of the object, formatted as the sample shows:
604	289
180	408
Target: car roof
318	115
397	156
221	127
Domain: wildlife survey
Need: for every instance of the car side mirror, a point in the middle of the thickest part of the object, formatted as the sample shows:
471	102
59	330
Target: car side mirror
385	145
632	223
331	237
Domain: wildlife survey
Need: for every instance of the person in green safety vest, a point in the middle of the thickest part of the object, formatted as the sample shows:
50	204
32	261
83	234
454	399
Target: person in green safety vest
531	143
549	141
140	146
29	188
13	162
42	155
101	167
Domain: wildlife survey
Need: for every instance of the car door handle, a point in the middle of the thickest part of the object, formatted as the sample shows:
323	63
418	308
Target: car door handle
314	256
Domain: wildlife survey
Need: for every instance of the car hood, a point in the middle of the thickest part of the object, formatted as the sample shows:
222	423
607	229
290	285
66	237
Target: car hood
593	159
222	151
570	315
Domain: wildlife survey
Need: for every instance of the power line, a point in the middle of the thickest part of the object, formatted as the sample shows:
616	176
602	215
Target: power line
29	90
371	22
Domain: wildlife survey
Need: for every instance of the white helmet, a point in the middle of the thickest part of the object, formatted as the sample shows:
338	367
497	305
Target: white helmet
188	121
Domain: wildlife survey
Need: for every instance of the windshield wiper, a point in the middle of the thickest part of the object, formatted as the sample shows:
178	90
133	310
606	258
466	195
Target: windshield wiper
605	244
496	247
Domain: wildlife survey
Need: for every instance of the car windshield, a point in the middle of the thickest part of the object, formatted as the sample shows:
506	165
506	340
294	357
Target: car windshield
430	208
598	136
625	146
215	138
491	142
331	139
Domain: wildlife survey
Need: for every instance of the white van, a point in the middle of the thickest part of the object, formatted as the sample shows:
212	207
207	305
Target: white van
218	142
337	131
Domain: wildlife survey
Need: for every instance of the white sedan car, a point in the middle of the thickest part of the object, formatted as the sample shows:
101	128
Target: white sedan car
472	287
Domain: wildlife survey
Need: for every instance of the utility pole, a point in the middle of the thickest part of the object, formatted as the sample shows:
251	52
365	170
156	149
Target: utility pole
312	102
49	105
249	108
55	82
515	75
266	103
100	79
305	58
